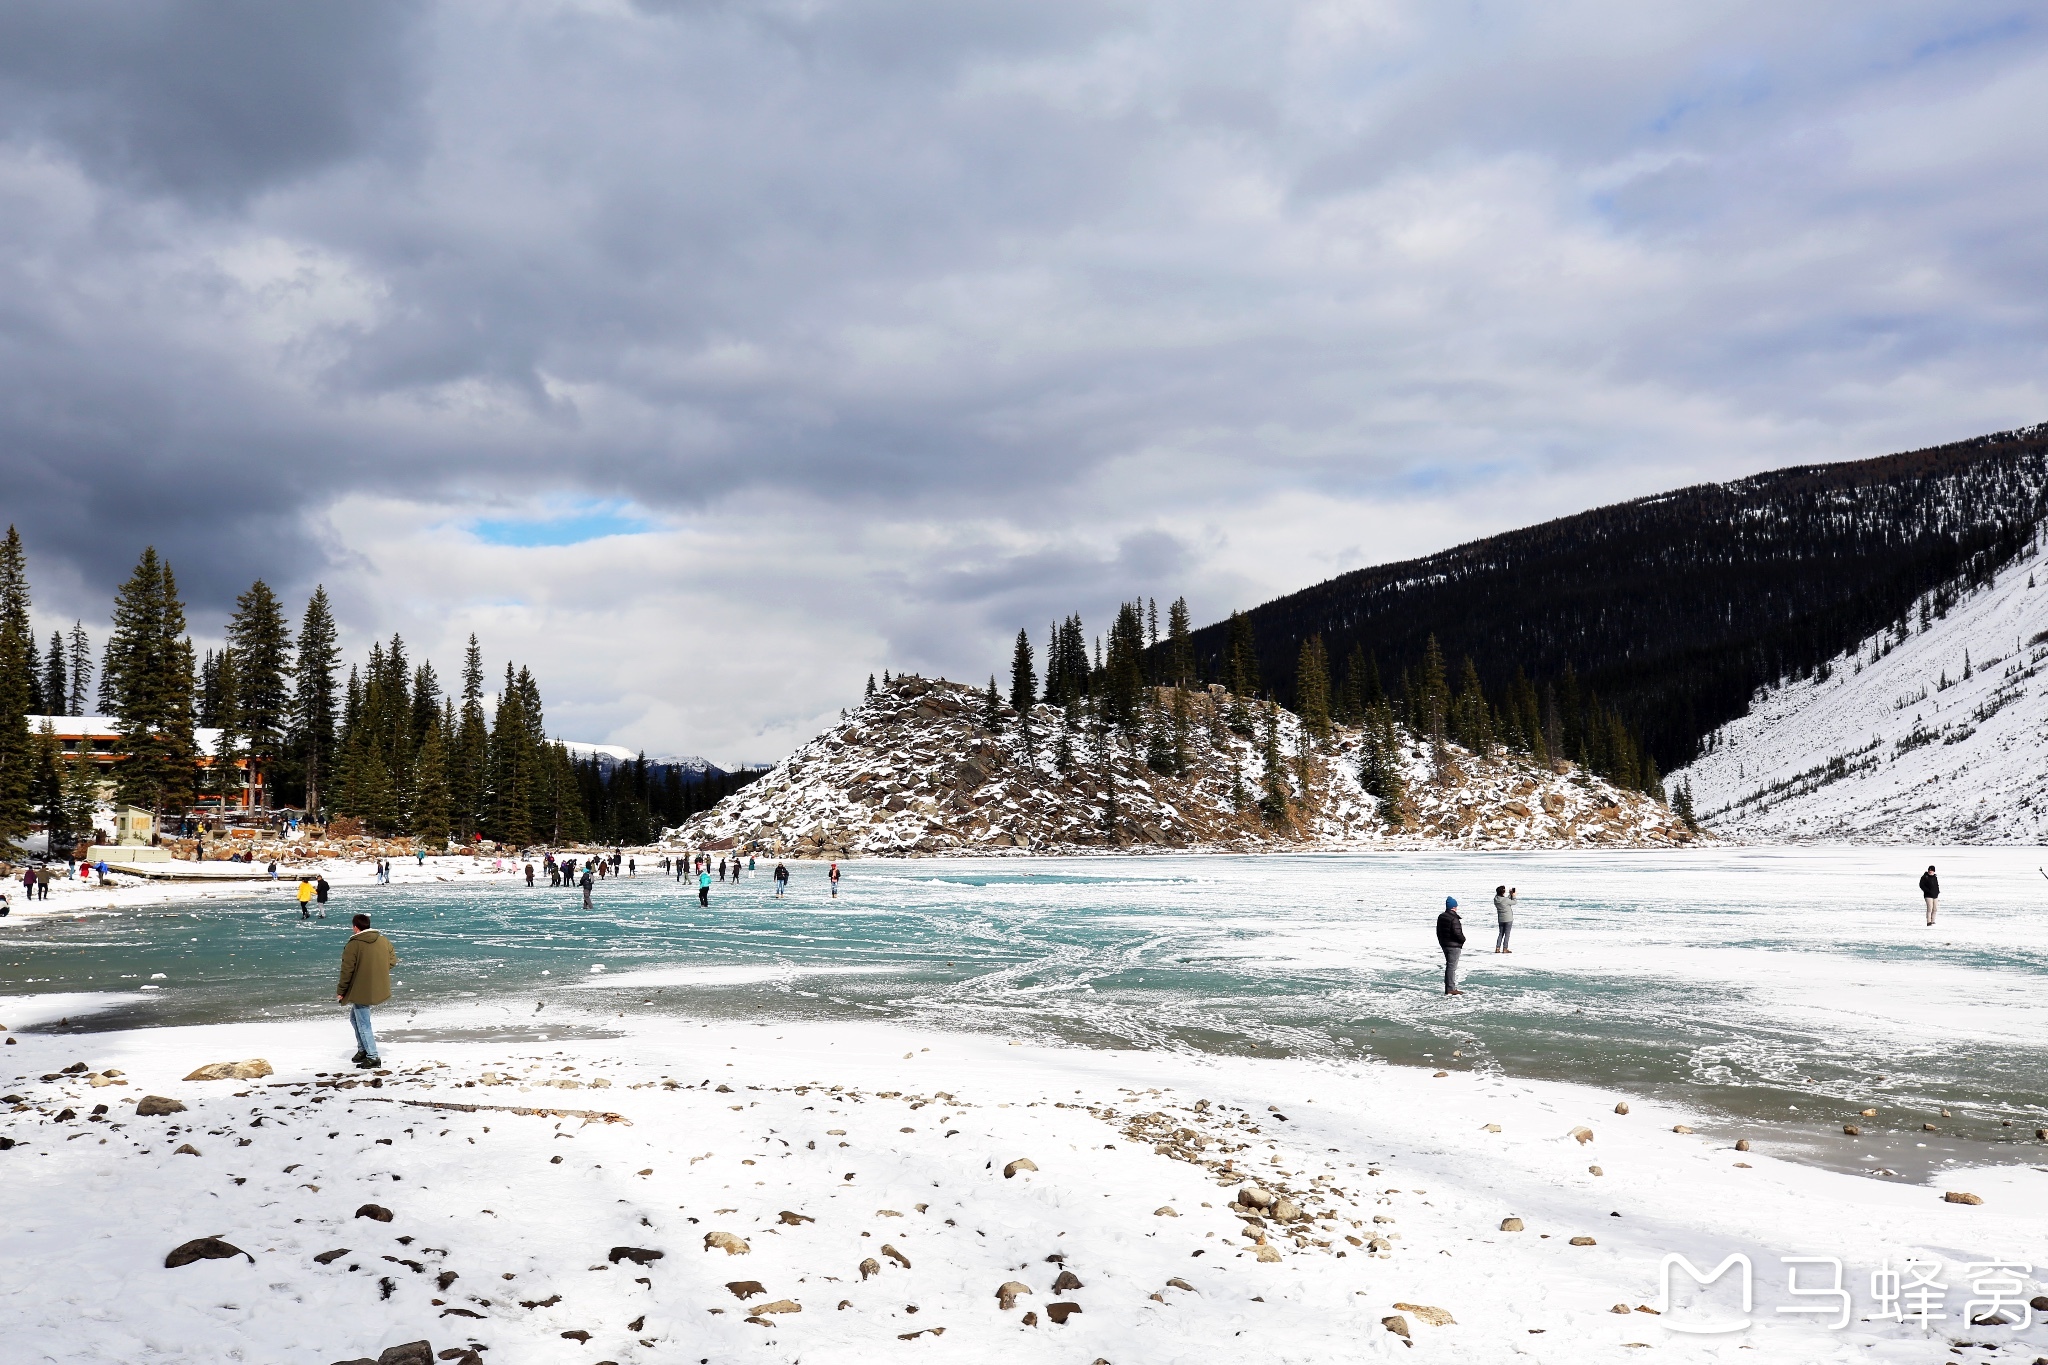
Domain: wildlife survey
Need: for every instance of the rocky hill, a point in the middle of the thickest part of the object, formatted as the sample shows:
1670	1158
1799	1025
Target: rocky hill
917	769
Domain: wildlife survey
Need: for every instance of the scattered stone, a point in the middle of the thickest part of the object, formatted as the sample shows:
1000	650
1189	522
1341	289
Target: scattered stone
1583	1134
2039	1303
1022	1163
1927	1128
549	1302
1435	1317
1065	1281
412	1353
1510	1225
1742	1144
1286	1211
1680	1128
870	1266
726	1242
184	1149
1178	1283
1621	1108
1268	1252
1396	1324
789	1219
576	1335
780	1306
1060	1312
893	1254
376	1211
1852	1130
1621	1308
446	1278
1254	1197
253	1069
1165	1211
1870	1113
1492	1128
1584	1242
1030	1318
1594	1170
637	1255
330	1257
745	1289
203	1249
1007	1293
149	1106
1958	1197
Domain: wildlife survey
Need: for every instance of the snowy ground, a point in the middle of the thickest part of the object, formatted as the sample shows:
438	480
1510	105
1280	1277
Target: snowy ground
822	1148
1937	737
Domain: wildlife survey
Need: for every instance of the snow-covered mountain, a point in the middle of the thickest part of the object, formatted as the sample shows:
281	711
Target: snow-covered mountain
917	770
610	756
1933	731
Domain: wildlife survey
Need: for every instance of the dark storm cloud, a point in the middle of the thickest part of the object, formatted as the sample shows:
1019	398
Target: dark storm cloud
1067	293
209	99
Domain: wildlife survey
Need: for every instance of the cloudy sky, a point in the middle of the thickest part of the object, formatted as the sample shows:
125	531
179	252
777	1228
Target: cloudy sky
709	355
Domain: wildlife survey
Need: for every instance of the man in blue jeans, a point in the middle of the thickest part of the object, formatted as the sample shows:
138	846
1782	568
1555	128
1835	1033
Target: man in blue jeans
366	962
1450	936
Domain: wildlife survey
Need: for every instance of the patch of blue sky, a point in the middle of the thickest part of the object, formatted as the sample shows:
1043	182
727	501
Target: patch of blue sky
573	523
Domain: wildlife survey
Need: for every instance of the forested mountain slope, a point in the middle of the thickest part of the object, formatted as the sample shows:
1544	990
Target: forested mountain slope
1934	733
926	767
1675	609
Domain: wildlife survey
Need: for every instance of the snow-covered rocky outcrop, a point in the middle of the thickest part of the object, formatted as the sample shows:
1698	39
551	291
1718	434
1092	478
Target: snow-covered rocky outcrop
916	770
1934	734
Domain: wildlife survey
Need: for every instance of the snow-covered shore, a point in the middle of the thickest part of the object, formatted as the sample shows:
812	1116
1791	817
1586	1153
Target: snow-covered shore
826	1148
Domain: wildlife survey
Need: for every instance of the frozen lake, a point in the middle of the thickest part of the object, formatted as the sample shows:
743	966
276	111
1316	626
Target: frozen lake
1782	990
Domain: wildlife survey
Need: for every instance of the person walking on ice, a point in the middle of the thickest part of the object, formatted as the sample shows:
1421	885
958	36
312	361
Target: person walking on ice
305	897
366	962
1504	919
704	887
1930	889
781	879
1450	936
835	881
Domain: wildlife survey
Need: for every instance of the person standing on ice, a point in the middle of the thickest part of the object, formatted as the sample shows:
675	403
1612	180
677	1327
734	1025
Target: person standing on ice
1450	936
366	962
834	876
1930	889
781	879
589	879
1504	919
704	887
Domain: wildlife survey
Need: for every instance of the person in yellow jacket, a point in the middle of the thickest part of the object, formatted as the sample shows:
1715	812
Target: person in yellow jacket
305	897
366	962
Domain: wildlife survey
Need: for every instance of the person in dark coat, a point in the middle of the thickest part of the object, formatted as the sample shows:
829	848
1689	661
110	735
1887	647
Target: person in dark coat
1930	887
1450	936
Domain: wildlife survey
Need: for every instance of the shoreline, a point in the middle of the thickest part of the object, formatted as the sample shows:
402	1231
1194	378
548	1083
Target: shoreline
929	1121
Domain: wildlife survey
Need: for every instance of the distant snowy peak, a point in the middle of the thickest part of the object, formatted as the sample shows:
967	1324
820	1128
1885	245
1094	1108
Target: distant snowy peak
1935	730
611	755
917	769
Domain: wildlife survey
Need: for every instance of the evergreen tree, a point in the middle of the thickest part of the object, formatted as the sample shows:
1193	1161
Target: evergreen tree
224	773
1023	678
312	709
1472	717
81	670
1241	666
1681	805
1123	670
1183	726
1379	769
262	643
467	776
46	784
1312	688
1430	709
150	669
17	757
1274	799
871	685
1159	734
992	706
34	665
56	687
1180	645
430	802
1352	699
510	766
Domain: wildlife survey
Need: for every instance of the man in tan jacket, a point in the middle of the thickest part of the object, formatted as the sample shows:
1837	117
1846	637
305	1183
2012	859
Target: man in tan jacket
366	962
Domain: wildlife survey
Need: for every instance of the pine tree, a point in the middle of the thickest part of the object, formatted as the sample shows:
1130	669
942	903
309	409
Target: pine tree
150	666
17	755
262	643
1180	645
992	706
1123	670
1274	801
871	685
1159	735
429	821
34	665
1312	688
468	778
1472	717
224	773
56	687
46	783
1681	805
1242	661
1182	730
1352	699
81	670
1023	678
1379	769
312	709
